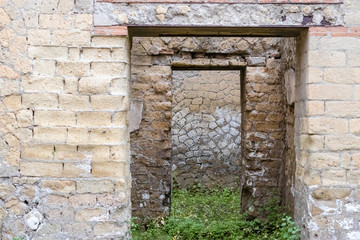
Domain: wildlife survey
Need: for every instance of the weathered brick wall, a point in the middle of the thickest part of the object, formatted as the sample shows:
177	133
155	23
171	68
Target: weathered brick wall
64	167
264	131
206	128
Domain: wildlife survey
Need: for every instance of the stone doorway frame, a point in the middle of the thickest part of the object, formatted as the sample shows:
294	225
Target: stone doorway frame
203	31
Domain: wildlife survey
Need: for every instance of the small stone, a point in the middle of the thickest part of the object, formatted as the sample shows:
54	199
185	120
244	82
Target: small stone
33	219
160	10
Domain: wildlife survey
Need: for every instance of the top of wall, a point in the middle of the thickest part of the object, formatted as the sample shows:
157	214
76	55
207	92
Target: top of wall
224	13
221	1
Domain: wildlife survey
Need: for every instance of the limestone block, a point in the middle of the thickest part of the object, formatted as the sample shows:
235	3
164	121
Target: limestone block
107	136
354	59
342	76
100	153
342	108
354	126
50	135
59	186
12	103
44	67
79	69
65	214
331	193
49	6
327	58
23	65
71	85
54	201
54	118
7	72
7	35
94	119
334	177
25	134
95	186
108	169
82	200
74	53
69	152
109	102
119	86
109	228
41	169
94	214
120	54
356	92
9	87
6	190
71	38
39	101
12	157
82	230
107	69
18	46
340	43
73	170
48	52
98	54
353	177
94	85
31	18
120	119
78	136
4	18
43	83
3	213
315	108
327	126
324	160
65	6
37	151
74	102
84	21
38	37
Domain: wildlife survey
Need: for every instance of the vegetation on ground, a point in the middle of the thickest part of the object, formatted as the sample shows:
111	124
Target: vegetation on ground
214	215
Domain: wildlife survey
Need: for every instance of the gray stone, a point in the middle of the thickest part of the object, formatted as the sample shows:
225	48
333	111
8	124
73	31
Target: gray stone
33	219
256	61
135	115
84	5
290	80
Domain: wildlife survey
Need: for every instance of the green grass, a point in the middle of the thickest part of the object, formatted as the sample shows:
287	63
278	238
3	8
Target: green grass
212	215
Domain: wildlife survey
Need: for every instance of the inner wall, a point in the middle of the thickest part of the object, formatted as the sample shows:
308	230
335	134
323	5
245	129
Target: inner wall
206	128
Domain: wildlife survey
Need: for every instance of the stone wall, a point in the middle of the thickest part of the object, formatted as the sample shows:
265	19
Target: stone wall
206	128
64	166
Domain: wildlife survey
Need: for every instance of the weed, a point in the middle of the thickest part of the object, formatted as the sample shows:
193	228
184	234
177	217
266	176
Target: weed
215	214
